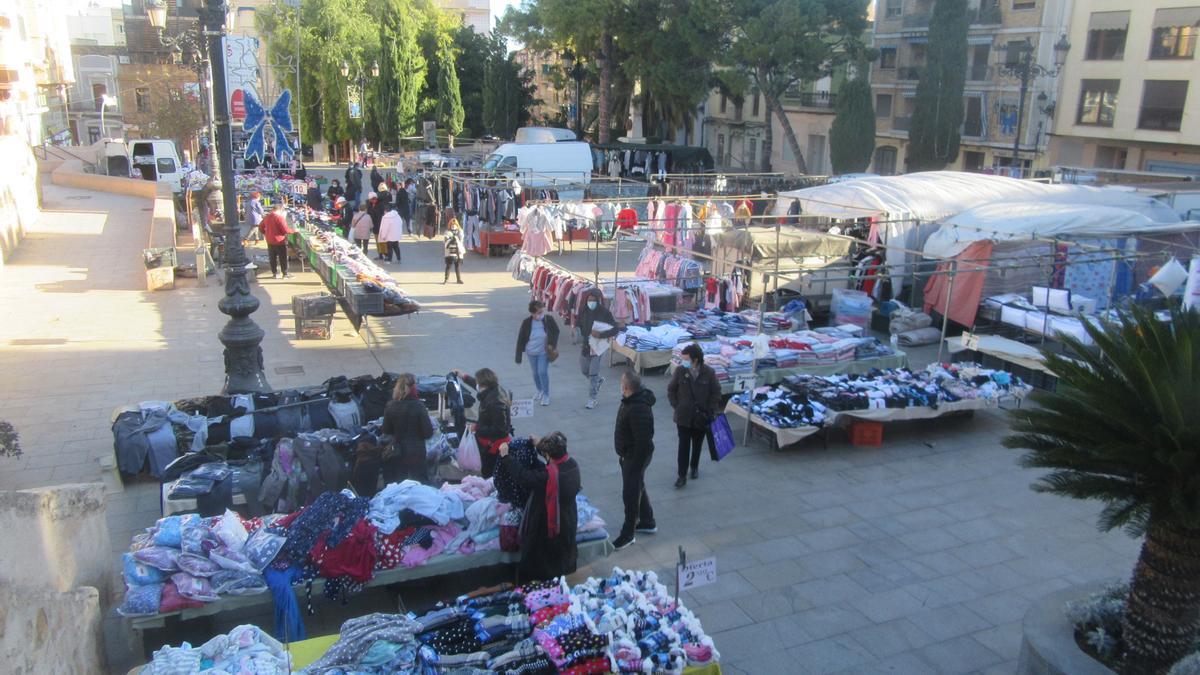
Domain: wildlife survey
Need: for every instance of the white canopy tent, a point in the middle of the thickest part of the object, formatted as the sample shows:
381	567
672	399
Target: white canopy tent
1011	221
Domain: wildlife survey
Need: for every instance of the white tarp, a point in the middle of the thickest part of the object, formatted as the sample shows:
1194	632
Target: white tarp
1009	221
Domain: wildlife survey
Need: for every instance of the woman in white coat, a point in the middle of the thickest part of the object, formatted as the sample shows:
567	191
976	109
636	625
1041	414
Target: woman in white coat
391	229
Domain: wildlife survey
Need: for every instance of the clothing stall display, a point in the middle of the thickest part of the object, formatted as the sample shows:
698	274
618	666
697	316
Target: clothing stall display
351	275
670	268
802	404
344	541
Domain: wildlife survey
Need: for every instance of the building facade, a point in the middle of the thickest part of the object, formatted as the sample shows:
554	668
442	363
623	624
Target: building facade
735	131
998	30
36	70
1127	88
154	69
98	48
475	13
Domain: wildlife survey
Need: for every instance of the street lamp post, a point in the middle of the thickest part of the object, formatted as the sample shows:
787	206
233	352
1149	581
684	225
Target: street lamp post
575	72
362	94
1025	70
192	44
241	337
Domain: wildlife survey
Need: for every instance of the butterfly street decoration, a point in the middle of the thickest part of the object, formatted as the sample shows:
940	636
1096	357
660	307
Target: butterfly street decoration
280	121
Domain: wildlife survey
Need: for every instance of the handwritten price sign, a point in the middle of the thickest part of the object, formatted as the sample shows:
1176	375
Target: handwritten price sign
698	573
522	407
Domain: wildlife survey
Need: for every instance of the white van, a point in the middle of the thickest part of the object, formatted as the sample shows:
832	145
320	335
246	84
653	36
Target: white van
544	135
157	160
543	164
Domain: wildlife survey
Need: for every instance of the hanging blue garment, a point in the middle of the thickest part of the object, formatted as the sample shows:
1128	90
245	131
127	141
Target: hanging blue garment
289	624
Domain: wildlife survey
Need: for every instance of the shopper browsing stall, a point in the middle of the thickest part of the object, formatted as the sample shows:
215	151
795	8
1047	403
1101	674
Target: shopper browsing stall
360	228
254	210
633	439
589	360
695	395
452	249
406	420
391	229
375	210
548	547
275	230
335	190
494	427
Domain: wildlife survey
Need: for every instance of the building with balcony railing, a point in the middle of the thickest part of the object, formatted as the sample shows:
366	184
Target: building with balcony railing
1127	87
992	92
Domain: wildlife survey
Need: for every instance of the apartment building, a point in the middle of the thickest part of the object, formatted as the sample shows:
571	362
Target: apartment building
997	34
475	13
98	49
1131	90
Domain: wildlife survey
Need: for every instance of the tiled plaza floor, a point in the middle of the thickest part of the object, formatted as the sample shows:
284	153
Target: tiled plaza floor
919	556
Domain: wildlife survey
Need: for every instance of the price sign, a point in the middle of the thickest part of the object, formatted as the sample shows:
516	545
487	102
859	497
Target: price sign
697	573
522	407
743	383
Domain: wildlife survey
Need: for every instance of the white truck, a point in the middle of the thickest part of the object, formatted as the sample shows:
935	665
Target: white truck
544	164
153	159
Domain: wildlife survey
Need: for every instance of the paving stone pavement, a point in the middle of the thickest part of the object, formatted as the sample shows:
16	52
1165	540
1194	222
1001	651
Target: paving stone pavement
919	556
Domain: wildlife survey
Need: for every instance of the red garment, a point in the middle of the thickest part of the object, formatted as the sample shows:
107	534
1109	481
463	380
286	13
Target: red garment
354	557
627	219
593	666
275	228
389	548
552	495
491	446
968	285
545	614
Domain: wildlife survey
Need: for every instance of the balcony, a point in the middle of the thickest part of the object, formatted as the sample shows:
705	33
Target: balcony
988	14
811	99
901	123
918	20
912	73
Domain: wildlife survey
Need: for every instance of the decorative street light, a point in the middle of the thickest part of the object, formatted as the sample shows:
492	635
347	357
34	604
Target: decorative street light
575	71
1023	68
361	80
241	336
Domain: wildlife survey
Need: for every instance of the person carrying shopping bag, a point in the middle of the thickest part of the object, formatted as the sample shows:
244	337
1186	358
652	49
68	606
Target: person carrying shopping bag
695	394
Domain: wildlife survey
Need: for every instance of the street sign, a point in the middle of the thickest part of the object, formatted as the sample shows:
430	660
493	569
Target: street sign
697	573
522	407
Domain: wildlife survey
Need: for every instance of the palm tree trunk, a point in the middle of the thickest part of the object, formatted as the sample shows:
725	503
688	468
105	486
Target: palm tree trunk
789	136
1162	618
605	93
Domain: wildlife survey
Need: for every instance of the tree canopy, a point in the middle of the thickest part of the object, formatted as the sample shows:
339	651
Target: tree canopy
852	137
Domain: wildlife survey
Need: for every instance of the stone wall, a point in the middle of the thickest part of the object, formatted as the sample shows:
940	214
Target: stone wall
56	571
71	174
20	193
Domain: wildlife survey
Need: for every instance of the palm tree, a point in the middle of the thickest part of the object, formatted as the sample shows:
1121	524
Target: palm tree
1123	427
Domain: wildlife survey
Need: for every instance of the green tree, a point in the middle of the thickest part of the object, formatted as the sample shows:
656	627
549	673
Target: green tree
933	136
474	53
778	43
508	95
450	112
402	70
852	137
1122	428
176	115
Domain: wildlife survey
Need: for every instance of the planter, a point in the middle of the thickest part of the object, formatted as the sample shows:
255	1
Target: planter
1048	644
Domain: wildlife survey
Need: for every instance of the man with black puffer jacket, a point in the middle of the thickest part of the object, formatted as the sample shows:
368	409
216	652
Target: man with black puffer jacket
634	442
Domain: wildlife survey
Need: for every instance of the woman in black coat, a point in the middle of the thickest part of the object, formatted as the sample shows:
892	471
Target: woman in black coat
494	427
406	420
695	395
548	547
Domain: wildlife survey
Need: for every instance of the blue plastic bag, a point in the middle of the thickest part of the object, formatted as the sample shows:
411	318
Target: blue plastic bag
140	574
722	437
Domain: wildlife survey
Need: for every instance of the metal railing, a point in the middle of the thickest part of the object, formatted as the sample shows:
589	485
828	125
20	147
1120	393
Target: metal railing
909	72
917	20
812	99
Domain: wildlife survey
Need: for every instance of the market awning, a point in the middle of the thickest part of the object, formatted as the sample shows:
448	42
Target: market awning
681	155
767	244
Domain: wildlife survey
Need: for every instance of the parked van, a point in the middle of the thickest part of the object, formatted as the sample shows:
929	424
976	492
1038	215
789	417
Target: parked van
544	135
157	160
543	164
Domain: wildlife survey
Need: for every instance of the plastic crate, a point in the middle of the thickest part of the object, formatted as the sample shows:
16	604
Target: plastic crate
314	329
362	302
313	305
867	434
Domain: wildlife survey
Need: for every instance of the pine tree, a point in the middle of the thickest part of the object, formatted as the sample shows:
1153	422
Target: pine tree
450	112
852	137
934	133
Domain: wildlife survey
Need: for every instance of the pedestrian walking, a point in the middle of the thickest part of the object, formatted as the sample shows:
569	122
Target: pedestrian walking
538	340
385	195
375	210
548	546
360	228
695	395
254	214
275	230
589	361
633	439
403	209
452	248
377	179
406	420
495	418
391	229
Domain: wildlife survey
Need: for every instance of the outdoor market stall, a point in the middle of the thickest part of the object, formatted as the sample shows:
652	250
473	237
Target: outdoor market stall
803	404
625	622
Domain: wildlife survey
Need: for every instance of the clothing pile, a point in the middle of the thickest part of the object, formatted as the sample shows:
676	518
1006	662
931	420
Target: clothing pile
903	388
245	649
822	346
665	336
560	290
186	561
627	622
352	263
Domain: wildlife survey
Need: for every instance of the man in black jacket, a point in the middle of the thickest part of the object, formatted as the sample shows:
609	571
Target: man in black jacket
634	442
593	310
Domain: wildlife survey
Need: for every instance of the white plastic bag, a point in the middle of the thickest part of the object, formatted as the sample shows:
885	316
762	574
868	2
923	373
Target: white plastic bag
230	530
468	454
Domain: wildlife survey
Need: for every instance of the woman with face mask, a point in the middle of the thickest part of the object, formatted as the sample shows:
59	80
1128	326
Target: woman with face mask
538	339
548	547
695	395
589	362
